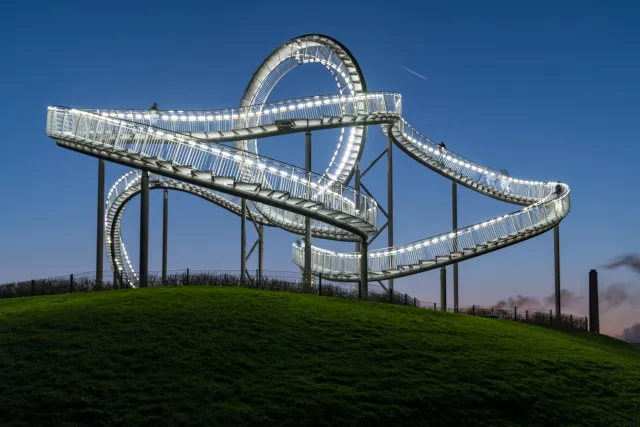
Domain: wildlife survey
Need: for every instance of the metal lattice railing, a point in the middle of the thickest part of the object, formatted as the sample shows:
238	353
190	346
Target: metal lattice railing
537	217
460	167
153	143
216	124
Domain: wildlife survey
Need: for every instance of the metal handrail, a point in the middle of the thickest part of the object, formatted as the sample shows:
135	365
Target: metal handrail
151	142
439	248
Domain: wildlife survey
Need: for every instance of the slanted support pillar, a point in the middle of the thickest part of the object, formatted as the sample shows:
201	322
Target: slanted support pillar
243	242
556	259
364	269
307	220
390	203
144	230
594	311
100	223
443	288
165	229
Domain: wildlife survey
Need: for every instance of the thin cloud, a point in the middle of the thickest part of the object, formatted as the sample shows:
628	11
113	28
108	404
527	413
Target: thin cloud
414	73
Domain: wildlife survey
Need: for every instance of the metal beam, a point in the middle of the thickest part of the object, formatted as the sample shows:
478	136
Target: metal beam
260	251
100	223
380	230
358	187
243	241
366	190
556	262
364	172
454	212
165	230
307	219
253	248
144	230
390	201
383	286
212	185
443	288
364	269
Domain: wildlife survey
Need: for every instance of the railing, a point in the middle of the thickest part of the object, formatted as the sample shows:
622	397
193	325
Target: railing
538	216
284	281
526	190
229	119
220	161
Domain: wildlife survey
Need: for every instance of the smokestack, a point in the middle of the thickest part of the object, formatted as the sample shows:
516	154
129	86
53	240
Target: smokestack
594	312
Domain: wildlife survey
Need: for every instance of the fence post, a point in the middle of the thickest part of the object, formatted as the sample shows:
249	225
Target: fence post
405	299
33	287
586	323
434	306
473	310
551	317
526	315
70	283
415	302
571	321
320	284
491	311
115	279
121	278
188	276
515	313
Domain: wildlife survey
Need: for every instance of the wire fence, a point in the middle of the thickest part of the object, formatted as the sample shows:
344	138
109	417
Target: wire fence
283	281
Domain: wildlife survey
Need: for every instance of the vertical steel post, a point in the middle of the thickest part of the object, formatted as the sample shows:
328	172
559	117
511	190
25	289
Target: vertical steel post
165	229
443	288
556	259
594	311
243	241
307	220
364	269
454	206
260	251
390	203
358	188
100	223
144	230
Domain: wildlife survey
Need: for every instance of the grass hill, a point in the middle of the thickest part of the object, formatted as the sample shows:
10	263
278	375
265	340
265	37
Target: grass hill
207	356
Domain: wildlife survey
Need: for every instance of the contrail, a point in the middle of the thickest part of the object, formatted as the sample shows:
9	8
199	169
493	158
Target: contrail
414	73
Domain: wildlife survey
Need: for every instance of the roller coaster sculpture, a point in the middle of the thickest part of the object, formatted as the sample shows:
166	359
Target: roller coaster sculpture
183	151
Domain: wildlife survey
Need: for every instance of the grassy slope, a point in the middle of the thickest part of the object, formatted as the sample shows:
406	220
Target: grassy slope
226	356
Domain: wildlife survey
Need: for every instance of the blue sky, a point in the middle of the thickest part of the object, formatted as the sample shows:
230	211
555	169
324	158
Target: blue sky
546	90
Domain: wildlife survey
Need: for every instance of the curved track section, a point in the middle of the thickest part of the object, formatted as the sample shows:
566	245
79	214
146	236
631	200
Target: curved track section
180	148
547	203
126	188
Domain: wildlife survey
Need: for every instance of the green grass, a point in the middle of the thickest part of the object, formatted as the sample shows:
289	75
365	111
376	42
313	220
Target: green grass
225	356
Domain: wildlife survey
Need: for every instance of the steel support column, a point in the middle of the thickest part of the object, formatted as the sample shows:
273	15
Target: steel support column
556	262
260	251
357	179
390	203
144	230
443	288
364	269
243	241
307	220
454	211
100	223
165	229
